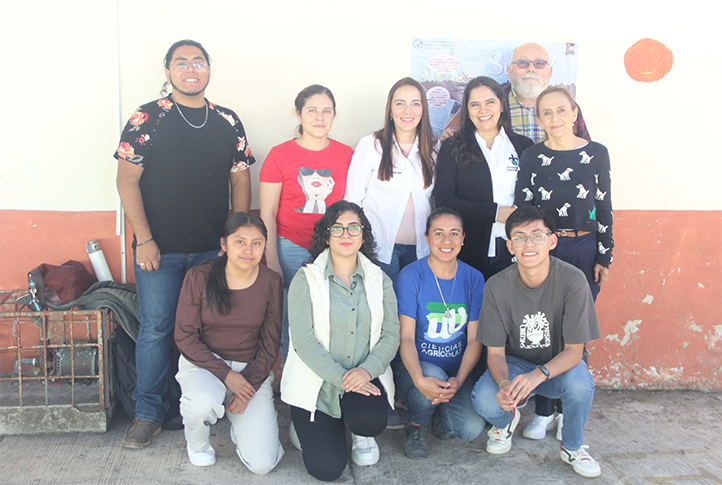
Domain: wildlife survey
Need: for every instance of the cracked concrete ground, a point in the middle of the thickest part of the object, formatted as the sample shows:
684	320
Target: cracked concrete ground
638	437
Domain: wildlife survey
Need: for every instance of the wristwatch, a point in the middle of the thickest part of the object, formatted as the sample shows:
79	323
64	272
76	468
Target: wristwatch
545	371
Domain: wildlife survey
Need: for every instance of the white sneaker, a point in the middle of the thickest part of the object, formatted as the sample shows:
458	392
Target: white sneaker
294	437
560	425
364	451
583	464
202	458
537	429
500	438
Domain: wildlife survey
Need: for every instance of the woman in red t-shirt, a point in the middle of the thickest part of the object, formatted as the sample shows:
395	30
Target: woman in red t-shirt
299	178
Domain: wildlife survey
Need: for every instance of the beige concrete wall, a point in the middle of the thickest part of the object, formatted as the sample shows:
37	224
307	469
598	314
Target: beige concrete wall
62	90
74	69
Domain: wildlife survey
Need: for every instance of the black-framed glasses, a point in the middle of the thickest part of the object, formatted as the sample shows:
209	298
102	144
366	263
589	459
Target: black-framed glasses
182	66
538	238
524	64
323	172
353	230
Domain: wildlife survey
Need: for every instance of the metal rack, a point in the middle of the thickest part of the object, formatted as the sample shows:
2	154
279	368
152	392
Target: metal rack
55	369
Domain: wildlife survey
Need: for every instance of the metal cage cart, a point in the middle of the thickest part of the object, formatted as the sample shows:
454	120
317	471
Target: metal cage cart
55	369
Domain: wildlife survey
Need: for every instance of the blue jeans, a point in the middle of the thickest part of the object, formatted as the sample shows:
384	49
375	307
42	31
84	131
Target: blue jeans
402	256
158	293
458	414
575	388
291	256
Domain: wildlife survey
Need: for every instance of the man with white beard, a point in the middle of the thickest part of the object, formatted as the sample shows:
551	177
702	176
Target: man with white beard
529	73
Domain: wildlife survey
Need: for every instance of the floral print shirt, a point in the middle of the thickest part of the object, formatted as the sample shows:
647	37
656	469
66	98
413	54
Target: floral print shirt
137	139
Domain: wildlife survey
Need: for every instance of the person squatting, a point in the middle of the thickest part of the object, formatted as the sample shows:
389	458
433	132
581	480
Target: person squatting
372	298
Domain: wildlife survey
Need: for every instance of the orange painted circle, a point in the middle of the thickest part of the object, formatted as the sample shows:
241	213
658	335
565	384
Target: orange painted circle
648	60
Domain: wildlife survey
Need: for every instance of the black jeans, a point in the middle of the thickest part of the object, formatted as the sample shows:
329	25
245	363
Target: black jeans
323	440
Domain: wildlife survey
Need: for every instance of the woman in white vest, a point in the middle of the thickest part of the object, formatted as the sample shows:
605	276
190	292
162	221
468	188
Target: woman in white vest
337	372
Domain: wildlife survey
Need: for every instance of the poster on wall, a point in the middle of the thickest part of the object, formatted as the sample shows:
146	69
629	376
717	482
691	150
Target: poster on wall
445	66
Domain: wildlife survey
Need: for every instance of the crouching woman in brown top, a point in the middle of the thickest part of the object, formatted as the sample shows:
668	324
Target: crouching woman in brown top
228	330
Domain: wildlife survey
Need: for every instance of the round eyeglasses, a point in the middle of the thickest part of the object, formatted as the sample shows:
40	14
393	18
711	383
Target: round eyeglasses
524	64
353	231
537	239
198	66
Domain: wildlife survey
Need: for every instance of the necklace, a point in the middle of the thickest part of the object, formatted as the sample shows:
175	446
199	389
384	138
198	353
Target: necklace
191	124
448	310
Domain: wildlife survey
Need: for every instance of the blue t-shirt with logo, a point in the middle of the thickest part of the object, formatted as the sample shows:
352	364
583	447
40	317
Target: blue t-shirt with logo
439	340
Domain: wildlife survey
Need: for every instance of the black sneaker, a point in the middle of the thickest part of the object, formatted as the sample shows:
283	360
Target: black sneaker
415	445
437	425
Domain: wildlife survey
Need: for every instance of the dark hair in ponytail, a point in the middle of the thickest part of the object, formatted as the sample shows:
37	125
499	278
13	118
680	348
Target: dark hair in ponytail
217	293
306	94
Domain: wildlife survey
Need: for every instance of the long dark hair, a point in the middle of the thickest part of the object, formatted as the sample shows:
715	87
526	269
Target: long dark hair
427	140
319	240
466	149
217	293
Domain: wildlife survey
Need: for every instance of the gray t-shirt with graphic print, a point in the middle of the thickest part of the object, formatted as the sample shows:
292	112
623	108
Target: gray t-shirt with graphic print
534	323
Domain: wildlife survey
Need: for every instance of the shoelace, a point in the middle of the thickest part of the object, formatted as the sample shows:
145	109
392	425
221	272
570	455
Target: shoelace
498	434
581	454
416	434
363	443
142	424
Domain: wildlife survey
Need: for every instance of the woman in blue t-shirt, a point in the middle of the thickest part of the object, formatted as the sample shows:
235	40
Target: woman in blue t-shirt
439	305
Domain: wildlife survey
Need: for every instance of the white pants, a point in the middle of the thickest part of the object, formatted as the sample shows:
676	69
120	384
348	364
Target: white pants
255	432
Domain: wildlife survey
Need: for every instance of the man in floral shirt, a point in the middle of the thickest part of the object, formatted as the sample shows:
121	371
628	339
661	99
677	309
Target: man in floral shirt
175	160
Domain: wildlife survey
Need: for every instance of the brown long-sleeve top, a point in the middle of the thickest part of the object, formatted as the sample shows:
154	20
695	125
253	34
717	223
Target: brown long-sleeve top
250	333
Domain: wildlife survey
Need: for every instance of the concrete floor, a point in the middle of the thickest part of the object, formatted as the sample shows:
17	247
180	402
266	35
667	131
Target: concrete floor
638	437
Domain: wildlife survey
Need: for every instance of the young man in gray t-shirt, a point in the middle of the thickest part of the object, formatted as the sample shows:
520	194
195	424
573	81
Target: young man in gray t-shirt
536	317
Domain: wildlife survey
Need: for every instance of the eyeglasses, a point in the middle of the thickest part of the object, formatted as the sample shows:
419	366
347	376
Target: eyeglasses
524	64
537	239
309	171
198	66
353	231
